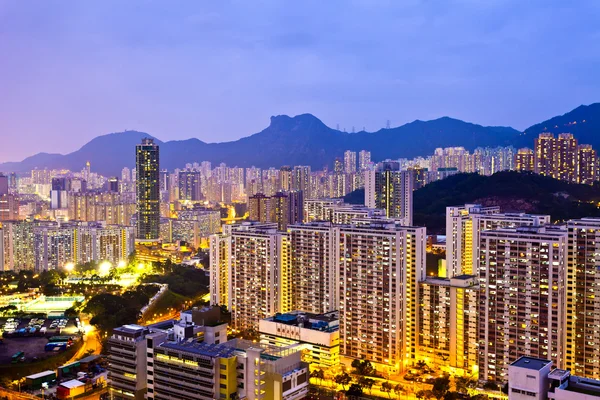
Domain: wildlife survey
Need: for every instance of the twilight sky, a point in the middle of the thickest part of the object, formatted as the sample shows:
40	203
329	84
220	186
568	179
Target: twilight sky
217	70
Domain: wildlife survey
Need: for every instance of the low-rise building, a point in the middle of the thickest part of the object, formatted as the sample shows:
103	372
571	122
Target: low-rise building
532	378
317	335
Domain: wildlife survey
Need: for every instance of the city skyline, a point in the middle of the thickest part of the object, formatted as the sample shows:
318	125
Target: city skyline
85	69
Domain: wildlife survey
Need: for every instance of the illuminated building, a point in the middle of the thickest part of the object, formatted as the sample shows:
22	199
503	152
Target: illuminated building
282	208
587	164
350	162
98	242
54	246
522	278
220	271
147	185
301	180
448	323
566	158
113	184
390	190
259	208
285	178
420	176
181	361
189	186
313	276
315	209
582	353
464	225
257	267
525	160
18	245
364	160
9	207
316	335
380	264
545	154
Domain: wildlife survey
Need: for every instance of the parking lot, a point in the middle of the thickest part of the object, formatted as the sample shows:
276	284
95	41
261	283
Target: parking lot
30	337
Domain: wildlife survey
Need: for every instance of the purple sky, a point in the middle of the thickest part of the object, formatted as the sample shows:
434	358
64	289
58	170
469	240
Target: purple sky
73	70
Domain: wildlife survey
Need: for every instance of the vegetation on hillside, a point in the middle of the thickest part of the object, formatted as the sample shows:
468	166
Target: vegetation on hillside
511	191
183	280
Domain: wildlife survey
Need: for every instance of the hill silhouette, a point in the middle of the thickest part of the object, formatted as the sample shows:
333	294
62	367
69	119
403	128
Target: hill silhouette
511	191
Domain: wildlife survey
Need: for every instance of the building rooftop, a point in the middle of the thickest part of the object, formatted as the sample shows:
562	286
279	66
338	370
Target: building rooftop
40	375
73	383
584	385
328	322
558	374
531	363
201	348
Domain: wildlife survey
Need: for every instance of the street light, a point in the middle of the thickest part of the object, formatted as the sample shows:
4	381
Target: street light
69	267
121	264
104	268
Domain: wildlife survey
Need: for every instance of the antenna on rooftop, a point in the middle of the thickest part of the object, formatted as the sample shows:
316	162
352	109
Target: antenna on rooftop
387	124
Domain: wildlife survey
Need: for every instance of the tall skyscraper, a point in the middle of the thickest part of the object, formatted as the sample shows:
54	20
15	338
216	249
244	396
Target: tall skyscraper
390	190
3	184
350	162
582	353
148	193
301	180
587	164
545	150
522	293
524	160
566	158
364	160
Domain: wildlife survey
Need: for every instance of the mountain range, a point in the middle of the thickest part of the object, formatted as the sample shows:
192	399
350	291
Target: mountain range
306	140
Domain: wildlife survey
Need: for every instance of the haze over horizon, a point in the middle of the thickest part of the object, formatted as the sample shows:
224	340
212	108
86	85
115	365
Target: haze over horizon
73	70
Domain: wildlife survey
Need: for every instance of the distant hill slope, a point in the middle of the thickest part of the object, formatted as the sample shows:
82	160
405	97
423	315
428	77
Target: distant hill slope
305	140
512	191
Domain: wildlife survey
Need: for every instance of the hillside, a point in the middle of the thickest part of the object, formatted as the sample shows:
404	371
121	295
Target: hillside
512	191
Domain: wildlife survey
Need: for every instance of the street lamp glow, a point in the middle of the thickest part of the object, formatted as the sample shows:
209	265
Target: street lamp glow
121	264
140	266
104	268
69	267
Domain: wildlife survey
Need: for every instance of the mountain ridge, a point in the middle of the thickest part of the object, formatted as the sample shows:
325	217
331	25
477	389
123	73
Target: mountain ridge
305	140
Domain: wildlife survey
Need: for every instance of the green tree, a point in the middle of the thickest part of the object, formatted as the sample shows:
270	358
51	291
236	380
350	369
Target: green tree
399	389
464	383
440	387
366	383
452	396
342	379
355	390
489	385
386	387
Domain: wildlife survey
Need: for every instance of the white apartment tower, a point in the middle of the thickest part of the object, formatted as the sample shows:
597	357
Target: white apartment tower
522	293
463	227
582	353
314	255
380	264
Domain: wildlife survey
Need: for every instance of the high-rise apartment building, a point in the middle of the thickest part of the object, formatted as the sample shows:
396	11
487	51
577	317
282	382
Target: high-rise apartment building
587	164
282	208
464	224
350	162
545	154
566	158
301	180
390	190
189	186
148	190
380	263
582	353
313	255
448	322
258	271
525	160
522	278
9	207
364	160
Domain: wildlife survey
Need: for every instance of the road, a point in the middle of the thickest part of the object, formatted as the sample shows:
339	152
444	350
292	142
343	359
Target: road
90	342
